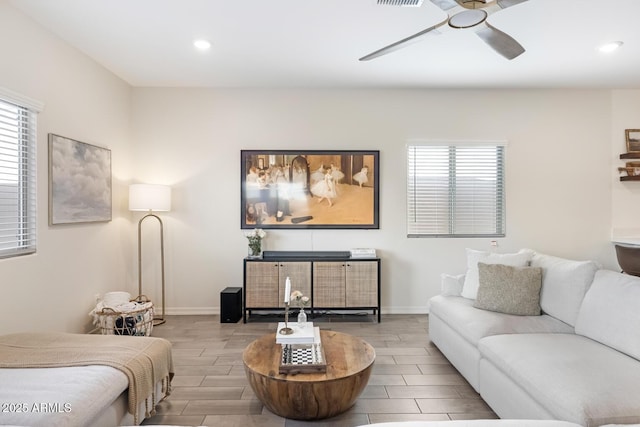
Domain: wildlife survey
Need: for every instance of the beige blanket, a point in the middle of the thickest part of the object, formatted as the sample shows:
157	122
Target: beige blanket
144	360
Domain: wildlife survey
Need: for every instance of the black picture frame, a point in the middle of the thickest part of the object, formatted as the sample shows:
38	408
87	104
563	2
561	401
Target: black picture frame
309	189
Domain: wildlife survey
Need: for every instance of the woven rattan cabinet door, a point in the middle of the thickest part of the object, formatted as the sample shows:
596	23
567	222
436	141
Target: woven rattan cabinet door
300	275
262	284
328	284
361	284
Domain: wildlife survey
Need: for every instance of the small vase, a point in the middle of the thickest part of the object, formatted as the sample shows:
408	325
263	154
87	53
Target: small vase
302	318
255	250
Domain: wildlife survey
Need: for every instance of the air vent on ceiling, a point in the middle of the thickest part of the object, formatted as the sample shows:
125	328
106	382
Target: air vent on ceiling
403	3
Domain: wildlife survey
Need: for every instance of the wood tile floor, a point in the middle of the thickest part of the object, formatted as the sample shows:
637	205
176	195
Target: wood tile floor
411	380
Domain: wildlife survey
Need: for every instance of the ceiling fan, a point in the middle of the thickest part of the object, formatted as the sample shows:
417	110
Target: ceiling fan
463	14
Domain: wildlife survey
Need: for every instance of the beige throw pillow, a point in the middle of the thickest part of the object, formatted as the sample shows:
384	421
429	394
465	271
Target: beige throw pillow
510	290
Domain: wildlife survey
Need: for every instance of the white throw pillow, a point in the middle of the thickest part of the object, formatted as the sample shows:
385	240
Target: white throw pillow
471	280
451	285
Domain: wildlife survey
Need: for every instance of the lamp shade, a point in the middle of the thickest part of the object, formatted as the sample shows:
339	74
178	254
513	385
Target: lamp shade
149	197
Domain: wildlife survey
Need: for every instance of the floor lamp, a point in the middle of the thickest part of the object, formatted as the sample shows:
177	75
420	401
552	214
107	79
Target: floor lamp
149	198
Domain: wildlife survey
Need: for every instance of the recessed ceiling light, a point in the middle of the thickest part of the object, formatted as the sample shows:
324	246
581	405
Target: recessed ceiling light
202	44
610	46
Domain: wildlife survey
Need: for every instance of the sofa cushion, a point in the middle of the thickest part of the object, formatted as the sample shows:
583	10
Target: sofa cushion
509	290
610	312
576	379
471	279
564	284
473	324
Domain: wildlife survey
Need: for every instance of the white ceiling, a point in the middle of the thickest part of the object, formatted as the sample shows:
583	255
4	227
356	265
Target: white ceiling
317	43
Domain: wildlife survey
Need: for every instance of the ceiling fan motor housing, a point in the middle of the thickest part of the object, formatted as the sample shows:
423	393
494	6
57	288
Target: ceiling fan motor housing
472	4
468	18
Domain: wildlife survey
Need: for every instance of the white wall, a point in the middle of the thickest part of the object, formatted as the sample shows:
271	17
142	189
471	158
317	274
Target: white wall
55	288
563	192
558	175
625	205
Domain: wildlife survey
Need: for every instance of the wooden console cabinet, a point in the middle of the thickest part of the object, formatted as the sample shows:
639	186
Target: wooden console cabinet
333	281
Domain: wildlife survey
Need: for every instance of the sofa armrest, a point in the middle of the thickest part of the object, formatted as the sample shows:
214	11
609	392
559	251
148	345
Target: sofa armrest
451	285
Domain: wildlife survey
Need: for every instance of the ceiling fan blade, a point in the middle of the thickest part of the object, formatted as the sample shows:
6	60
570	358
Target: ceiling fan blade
500	41
402	43
508	3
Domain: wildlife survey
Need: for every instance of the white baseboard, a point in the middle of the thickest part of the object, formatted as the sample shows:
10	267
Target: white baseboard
404	310
194	311
191	311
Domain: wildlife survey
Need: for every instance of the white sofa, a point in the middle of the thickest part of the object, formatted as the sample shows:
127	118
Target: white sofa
579	361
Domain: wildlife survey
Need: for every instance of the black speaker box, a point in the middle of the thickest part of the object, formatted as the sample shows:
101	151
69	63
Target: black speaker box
230	305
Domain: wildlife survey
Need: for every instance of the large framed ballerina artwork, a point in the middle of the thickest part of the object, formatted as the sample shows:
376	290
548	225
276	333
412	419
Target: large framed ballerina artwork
309	189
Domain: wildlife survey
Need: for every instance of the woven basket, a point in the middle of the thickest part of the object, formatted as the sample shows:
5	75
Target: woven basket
134	322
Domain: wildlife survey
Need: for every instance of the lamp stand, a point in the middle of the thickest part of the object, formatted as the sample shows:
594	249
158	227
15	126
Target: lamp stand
161	320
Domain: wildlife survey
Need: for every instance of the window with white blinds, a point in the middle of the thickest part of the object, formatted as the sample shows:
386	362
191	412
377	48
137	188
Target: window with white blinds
17	179
455	190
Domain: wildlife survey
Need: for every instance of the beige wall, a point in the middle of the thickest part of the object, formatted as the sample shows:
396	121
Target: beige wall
55	288
558	175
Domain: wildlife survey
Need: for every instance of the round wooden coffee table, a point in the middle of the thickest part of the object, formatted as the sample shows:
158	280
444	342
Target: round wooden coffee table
310	396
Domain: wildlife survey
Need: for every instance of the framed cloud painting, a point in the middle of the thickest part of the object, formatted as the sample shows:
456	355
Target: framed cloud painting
79	182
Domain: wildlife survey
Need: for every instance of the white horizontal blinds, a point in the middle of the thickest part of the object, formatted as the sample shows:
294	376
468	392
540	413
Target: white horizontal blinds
17	180
428	186
455	190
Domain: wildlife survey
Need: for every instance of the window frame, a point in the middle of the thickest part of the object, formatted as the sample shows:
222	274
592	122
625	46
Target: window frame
19	136
450	211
